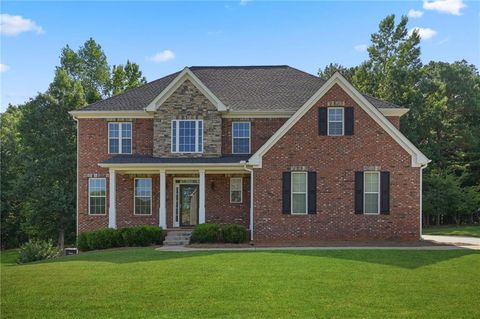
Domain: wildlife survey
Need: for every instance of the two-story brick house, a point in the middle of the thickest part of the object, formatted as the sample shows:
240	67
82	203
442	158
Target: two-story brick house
288	155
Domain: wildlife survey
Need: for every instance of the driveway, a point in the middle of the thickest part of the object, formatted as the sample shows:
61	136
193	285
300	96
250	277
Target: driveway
467	242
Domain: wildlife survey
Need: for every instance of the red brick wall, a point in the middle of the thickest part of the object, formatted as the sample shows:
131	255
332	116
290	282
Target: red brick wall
125	201
335	159
261	130
218	208
93	149
395	120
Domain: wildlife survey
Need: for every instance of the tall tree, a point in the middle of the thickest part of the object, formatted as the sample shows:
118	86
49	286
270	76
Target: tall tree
10	169
89	66
124	78
331	68
49	157
392	71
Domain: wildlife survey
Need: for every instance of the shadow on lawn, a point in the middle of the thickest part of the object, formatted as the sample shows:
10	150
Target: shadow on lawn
410	259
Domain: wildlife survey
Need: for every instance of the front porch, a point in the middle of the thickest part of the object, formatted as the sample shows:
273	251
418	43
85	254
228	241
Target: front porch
181	195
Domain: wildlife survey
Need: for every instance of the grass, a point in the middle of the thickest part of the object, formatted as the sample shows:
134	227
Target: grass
471	231
144	283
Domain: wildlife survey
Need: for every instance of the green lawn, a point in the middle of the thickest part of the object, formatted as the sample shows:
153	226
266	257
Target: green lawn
144	283
472	231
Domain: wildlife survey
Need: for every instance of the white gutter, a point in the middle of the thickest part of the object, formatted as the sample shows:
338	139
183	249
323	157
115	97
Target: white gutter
76	173
251	199
421	198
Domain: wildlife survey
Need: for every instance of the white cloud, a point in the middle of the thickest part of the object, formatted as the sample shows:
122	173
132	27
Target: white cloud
13	25
164	56
4	68
415	13
244	2
424	33
445	6
361	47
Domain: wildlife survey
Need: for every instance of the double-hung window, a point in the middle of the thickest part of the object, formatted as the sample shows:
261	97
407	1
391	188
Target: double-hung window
241	137
96	196
335	121
143	196
236	190
371	192
119	138
187	136
299	193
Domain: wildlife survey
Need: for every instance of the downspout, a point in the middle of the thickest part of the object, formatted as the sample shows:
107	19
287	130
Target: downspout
251	199
76	207
421	198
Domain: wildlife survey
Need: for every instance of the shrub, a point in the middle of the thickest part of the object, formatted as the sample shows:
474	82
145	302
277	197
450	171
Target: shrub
35	250
142	235
103	239
109	238
82	241
206	233
234	233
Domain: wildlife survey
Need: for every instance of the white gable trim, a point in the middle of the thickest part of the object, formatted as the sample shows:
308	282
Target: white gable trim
186	74
418	158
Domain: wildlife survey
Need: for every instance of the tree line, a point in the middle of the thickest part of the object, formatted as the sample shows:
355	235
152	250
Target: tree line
38	137
38	145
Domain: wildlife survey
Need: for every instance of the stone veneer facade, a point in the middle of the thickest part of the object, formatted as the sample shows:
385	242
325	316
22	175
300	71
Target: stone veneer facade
187	102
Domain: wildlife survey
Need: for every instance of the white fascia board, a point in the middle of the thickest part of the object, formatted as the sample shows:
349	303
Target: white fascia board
186	74
109	114
418	158
393	112
257	114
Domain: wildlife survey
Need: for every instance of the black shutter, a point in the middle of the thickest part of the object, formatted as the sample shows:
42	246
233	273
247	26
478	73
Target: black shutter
312	192
384	193
322	121
349	120
358	192
286	194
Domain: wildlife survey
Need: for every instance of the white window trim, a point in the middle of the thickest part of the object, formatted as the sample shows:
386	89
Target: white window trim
135	196
120	137
241	189
292	192
249	137
365	192
92	178
177	138
328	120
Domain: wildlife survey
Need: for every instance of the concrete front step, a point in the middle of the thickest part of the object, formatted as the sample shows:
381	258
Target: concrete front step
177	238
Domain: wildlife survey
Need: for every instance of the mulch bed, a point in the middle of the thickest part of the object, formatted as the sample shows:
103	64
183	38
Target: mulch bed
419	243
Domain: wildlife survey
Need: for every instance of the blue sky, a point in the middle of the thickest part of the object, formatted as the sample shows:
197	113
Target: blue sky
163	37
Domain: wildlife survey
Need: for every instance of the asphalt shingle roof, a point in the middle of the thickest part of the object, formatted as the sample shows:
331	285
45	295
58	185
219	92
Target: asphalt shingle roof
240	88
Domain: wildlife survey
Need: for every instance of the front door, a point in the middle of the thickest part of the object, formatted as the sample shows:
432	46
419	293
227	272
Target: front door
188	204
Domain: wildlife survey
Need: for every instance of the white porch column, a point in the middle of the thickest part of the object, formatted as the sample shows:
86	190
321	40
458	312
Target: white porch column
201	199
112	212
162	218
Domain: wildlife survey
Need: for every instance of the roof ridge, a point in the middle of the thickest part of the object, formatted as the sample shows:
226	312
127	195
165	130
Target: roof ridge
237	66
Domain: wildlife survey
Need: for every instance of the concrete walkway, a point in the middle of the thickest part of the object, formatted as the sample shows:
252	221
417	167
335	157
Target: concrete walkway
454	240
443	243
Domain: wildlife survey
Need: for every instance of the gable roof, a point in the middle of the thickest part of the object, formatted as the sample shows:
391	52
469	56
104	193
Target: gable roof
274	88
418	158
186	74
